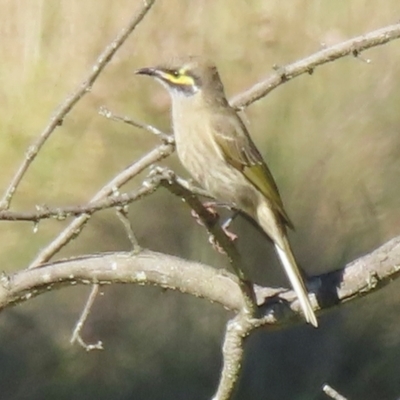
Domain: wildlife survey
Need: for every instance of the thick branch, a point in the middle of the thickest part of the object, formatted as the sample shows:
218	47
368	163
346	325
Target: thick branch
359	277
237	330
147	267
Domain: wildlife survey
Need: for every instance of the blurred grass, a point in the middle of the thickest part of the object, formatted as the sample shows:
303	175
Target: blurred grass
331	139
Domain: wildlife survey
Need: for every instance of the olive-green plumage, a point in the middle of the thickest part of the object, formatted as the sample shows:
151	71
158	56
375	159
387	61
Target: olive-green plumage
215	147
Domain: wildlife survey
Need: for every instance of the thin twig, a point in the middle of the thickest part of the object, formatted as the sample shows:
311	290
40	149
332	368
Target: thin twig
167	138
332	393
76	334
307	65
61	213
75	227
71	101
122	214
119	200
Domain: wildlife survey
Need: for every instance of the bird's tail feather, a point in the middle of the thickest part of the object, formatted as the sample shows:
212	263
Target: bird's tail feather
293	273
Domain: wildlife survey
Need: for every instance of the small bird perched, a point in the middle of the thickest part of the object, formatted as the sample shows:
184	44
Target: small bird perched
214	145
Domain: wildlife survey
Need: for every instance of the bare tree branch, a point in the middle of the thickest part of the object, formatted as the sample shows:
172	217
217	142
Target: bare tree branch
61	213
307	65
122	213
70	102
332	393
167	138
237	330
76	334
74	228
120	200
278	307
225	243
147	267
360	277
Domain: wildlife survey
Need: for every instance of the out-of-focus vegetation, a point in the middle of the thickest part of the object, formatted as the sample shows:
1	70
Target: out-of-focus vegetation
331	139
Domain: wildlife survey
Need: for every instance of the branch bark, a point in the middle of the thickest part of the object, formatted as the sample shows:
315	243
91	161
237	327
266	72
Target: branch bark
358	278
307	65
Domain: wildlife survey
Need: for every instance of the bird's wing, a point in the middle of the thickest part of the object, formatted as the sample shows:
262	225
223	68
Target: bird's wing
239	150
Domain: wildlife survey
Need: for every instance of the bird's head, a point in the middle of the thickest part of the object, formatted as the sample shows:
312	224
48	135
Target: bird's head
187	77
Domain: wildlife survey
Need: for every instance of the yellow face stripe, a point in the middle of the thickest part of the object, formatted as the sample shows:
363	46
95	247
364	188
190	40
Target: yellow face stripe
181	79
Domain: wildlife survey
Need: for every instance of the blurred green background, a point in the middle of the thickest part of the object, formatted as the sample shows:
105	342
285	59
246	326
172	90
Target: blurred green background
331	139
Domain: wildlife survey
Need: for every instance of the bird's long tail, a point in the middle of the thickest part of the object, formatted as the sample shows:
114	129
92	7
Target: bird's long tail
267	219
293	273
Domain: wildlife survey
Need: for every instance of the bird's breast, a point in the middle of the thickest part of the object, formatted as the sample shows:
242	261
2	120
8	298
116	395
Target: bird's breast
200	154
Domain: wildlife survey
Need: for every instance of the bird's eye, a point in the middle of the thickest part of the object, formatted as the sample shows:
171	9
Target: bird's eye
175	73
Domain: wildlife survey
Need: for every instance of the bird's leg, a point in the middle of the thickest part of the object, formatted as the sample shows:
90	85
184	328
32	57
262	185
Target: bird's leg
225	226
210	206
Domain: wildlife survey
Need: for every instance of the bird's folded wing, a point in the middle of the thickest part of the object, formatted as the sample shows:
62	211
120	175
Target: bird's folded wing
239	150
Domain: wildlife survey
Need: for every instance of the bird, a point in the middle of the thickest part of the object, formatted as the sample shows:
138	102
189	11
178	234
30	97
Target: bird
215	147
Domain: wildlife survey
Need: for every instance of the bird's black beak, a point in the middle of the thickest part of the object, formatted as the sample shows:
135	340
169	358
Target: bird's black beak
146	71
